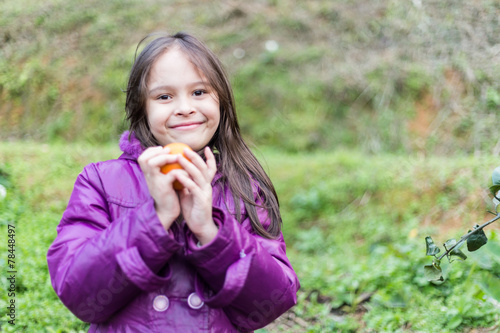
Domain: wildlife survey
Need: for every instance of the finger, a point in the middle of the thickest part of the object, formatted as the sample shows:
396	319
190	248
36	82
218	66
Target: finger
211	164
174	175
146	154
187	182
195	159
151	152
159	161
196	174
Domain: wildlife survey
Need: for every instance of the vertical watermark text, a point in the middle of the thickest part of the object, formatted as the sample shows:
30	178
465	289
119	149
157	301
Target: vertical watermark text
11	274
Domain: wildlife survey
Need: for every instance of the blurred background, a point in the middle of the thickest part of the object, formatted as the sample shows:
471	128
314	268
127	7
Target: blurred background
373	75
376	120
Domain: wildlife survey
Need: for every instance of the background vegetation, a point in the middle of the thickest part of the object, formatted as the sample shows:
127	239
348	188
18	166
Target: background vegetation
380	75
354	225
321	86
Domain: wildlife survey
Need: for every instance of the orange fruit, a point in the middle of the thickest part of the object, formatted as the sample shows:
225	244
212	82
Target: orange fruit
175	148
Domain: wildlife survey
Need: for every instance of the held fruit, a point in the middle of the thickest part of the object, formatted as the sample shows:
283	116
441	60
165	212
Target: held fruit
175	148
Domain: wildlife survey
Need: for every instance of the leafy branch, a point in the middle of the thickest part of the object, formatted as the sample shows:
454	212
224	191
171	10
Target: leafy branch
474	238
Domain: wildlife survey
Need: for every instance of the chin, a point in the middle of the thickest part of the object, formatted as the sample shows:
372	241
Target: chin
195	146
192	141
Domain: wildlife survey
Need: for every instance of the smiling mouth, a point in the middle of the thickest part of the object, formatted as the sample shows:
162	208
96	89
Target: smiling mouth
186	126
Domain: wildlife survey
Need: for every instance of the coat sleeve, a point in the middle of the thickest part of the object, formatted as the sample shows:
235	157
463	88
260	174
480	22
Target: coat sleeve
98	265
250	277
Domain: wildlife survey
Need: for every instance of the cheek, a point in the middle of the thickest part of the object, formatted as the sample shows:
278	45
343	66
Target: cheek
217	120
155	118
216	114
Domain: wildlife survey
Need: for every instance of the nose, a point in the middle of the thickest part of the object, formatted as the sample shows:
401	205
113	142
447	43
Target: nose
184	107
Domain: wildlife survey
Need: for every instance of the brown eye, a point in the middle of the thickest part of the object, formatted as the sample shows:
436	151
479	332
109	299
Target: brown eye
199	92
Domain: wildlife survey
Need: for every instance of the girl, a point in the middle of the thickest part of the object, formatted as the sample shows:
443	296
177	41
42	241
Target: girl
134	255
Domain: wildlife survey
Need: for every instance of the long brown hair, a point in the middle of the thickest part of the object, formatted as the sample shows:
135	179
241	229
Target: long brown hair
236	162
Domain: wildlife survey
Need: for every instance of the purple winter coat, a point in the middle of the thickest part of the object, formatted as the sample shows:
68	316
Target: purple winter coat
113	265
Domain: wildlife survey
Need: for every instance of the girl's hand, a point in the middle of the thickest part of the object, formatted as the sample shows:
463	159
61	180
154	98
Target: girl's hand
196	197
160	185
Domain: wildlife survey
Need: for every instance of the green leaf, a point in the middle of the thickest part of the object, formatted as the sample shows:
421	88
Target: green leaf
456	252
490	285
431	248
496	202
454	322
493	251
494	189
450	243
495	177
433	272
476	240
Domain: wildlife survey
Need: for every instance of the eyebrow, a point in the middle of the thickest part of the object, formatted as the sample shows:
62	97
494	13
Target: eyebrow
167	87
159	88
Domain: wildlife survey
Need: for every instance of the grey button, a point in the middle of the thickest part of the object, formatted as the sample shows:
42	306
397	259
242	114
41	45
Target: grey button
194	301
161	303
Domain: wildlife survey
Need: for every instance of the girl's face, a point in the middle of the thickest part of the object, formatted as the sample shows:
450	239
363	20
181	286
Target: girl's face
181	105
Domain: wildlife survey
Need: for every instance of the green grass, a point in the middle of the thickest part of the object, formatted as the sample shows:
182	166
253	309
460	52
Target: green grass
354	225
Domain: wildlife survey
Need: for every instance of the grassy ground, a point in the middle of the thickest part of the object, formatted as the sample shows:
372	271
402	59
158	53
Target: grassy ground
354	225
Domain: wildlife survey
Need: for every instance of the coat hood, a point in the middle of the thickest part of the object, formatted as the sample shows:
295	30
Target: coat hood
130	145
